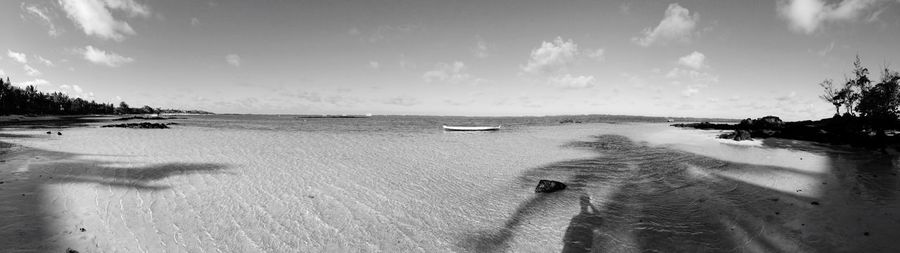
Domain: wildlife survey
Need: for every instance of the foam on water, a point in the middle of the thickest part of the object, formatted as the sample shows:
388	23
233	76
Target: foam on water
257	186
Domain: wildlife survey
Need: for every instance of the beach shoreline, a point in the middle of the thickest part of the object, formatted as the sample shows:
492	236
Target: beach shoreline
271	188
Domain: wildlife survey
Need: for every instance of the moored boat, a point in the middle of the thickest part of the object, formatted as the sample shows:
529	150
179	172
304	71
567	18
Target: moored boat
471	128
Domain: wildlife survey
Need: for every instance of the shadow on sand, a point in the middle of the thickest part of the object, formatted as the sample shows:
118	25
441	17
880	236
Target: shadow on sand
658	199
25	173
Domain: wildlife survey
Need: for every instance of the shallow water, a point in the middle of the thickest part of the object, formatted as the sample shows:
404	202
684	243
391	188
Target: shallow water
282	184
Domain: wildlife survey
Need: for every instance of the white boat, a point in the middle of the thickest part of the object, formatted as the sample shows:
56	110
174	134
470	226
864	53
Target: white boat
471	128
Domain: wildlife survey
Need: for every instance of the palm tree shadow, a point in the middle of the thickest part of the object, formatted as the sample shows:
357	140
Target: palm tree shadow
138	178
661	199
23	226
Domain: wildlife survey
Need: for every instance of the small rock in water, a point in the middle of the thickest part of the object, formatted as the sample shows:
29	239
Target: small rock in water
70	250
547	186
48	132
83	230
866	234
58	133
815	203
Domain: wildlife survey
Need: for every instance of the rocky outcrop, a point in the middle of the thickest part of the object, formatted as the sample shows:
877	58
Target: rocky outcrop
569	121
547	186
143	125
839	130
706	126
747	129
144	118
737	135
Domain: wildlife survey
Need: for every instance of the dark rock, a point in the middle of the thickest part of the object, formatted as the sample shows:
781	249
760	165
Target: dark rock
48	132
742	135
144	118
737	135
58	133
143	125
706	126
70	250
815	203
746	124
768	122
83	230
866	234
547	186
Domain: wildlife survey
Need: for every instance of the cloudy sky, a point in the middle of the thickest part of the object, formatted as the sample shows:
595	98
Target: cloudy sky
707	58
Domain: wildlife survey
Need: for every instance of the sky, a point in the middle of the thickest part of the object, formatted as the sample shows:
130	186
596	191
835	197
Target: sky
694	58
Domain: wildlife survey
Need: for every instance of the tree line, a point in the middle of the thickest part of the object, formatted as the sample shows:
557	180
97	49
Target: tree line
871	104
16	100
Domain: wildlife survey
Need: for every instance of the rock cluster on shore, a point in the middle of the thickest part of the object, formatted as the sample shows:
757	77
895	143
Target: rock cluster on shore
144	118
838	130
143	125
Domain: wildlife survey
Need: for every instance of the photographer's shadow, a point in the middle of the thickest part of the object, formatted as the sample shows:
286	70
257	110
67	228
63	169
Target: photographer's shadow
580	235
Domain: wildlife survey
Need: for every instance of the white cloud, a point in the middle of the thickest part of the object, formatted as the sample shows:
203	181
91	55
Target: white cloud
677	25
826	50
572	82
233	59
31	71
43	18
690	91
65	87
809	15
19	57
552	57
35	82
597	55
374	65
95	16
44	61
109	59
2	73
481	48
692	75
195	22
77	89
452	73
695	60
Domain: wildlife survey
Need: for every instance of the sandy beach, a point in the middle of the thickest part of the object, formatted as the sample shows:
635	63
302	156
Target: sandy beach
256	187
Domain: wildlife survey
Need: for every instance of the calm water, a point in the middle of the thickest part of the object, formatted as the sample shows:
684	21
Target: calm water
399	183
650	189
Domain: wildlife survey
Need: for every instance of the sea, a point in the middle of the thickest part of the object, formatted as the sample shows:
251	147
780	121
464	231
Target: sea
287	183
